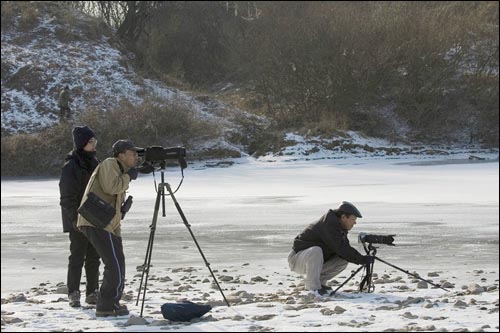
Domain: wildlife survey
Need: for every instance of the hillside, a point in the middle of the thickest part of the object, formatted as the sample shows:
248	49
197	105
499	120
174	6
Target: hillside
62	47
48	45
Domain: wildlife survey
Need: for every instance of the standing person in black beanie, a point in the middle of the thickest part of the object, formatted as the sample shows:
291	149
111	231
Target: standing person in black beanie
79	165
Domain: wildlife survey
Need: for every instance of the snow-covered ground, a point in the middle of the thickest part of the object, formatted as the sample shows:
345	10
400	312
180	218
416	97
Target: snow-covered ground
354	145
245	217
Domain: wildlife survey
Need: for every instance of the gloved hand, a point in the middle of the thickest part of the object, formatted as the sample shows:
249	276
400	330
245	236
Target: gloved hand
132	172
369	260
146	168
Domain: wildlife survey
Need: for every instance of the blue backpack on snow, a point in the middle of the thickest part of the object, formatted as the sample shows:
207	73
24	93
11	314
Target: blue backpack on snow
184	311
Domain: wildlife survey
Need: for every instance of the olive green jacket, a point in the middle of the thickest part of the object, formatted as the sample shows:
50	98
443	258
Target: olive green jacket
110	182
64	98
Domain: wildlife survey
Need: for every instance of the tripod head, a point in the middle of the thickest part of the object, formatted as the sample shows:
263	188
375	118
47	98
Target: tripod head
370	239
155	159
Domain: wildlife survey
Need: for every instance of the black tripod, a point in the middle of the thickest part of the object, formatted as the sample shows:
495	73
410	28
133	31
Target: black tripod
366	281
149	251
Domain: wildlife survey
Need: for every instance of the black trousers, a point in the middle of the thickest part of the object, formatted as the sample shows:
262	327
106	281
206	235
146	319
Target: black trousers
110	249
82	252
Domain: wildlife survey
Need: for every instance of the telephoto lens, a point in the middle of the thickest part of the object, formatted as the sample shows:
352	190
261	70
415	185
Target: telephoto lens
376	239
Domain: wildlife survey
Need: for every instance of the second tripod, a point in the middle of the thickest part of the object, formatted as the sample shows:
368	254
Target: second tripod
147	260
366	281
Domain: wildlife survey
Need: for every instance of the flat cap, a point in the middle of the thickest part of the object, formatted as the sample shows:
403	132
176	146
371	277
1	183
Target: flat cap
349	208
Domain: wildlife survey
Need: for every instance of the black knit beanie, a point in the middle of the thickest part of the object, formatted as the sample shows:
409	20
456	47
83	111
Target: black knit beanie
81	136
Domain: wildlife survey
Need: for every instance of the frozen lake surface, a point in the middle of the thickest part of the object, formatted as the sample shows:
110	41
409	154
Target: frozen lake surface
445	216
442	214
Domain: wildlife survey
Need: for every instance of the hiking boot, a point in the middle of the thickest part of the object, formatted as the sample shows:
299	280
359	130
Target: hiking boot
105	313
120	310
322	292
91	298
327	288
74	299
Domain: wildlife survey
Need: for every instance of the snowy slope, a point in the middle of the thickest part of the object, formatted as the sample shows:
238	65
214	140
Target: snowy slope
65	47
37	63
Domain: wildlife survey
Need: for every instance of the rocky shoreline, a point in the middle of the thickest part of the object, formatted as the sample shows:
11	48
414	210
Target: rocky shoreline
259	302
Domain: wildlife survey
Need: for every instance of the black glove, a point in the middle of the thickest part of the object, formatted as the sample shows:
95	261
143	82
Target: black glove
369	260
132	172
146	167
126	206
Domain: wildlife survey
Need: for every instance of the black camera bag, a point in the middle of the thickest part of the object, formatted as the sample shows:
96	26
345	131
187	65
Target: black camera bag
97	211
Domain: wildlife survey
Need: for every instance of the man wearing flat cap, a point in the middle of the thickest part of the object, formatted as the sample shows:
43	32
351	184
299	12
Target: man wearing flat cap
322	250
109	182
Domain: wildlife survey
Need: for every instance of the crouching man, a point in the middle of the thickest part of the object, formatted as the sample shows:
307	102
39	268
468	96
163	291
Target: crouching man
322	250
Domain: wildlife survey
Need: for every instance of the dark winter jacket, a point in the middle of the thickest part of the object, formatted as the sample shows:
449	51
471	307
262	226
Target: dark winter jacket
328	234
75	175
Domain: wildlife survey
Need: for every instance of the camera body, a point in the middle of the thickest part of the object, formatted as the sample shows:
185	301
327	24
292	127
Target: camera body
158	155
376	239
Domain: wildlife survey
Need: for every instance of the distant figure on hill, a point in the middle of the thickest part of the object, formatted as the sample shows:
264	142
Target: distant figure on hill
64	99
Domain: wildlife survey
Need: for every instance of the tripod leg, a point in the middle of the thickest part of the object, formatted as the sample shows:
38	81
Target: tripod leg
145	267
149	251
367	280
350	277
411	274
188	226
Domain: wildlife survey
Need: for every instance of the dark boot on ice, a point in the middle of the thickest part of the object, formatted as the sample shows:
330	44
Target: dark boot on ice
74	299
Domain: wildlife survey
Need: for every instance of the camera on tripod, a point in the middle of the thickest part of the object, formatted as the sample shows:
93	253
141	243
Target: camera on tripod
159	155
366	283
376	239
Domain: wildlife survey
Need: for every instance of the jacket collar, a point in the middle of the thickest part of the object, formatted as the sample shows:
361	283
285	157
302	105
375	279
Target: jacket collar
333	219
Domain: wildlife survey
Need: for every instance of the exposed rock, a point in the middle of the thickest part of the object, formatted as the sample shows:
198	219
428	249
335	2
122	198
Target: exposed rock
18	298
61	290
447	284
339	310
133	320
258	279
162	322
411	300
264	317
422	285
460	304
225	278
11	320
409	315
475	289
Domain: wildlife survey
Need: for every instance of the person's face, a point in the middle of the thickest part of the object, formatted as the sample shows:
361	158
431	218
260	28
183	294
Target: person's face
129	158
91	145
348	222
